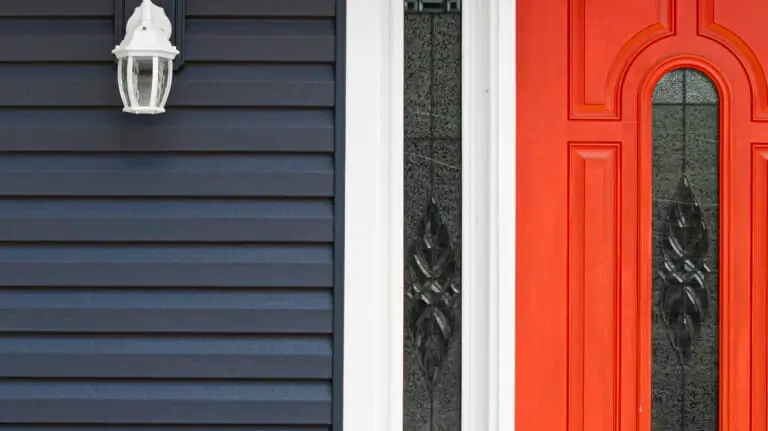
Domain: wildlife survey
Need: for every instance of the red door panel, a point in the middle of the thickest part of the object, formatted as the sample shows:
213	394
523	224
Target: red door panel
587	70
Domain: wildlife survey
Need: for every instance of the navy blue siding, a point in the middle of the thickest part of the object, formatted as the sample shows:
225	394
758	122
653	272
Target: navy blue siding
178	272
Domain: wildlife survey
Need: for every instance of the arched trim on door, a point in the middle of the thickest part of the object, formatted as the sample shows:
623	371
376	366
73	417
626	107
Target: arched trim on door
663	26
729	39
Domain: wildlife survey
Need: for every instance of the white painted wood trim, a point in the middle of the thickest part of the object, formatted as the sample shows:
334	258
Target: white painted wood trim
477	402
503	206
373	311
373	249
488	212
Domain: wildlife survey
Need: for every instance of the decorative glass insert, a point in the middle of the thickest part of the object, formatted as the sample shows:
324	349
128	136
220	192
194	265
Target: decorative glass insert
686	190
432	324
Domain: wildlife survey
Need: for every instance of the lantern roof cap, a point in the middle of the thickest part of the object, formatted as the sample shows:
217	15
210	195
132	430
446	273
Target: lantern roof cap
148	32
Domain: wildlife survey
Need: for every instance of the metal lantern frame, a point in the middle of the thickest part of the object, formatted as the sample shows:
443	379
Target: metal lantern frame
147	41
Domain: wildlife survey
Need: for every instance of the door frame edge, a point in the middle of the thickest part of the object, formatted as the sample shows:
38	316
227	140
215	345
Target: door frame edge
488	214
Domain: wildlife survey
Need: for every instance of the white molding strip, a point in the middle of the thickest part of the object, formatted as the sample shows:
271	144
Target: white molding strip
503	27
373	249
477	400
488	225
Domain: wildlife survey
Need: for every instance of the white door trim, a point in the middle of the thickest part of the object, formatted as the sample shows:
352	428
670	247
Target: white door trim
503	144
488	214
373	249
373	217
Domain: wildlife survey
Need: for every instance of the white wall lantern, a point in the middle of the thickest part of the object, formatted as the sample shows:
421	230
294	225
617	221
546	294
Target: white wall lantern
145	60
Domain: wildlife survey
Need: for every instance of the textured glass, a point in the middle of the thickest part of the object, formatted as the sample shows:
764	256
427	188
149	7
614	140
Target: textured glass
686	143
142	80
124	74
432	350
162	79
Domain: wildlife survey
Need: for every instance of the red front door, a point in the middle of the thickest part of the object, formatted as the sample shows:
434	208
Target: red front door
642	205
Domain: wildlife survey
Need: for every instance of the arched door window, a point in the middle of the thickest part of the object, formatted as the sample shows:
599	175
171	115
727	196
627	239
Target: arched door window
686	190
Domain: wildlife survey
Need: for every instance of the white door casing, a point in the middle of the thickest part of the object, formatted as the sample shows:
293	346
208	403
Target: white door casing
373	249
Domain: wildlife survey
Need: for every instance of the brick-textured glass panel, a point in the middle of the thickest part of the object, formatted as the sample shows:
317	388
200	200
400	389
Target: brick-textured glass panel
686	143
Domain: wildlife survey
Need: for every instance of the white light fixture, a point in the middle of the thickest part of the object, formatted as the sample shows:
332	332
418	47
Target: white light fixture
145	60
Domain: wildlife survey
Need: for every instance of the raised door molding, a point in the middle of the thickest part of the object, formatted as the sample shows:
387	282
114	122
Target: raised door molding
600	55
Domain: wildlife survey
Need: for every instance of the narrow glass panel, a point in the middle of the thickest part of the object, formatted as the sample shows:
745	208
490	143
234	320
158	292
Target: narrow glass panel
686	186
432	350
142	80
163	66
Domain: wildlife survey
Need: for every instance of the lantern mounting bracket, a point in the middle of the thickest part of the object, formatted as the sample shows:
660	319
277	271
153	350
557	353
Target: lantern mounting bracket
176	10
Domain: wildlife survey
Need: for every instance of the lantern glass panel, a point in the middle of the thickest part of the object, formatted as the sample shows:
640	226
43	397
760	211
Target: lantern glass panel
163	69
141	76
122	66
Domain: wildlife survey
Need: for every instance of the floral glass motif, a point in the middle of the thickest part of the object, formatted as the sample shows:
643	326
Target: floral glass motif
432	298
686	144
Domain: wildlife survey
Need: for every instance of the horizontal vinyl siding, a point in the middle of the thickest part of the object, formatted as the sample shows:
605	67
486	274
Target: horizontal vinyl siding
175	272
197	312
181	131
42	85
